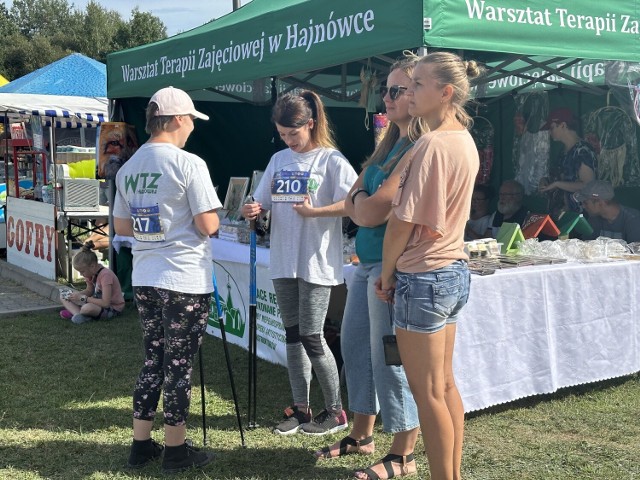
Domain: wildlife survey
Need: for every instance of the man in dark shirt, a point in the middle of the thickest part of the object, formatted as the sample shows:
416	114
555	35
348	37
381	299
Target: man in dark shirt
607	217
510	208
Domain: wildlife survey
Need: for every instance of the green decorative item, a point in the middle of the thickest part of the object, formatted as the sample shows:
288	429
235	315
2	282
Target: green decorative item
510	235
570	221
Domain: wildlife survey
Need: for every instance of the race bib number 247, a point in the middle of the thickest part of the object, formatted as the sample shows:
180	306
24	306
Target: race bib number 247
146	224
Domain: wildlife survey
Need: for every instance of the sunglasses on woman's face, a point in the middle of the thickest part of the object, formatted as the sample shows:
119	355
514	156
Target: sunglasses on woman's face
394	91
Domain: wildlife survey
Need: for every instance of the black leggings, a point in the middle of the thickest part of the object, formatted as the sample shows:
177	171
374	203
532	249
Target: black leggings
172	327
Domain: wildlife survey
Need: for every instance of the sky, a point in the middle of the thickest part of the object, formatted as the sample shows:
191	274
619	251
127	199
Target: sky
177	15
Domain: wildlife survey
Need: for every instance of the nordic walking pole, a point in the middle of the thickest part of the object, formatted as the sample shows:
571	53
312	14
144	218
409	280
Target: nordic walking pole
226	354
204	418
253	329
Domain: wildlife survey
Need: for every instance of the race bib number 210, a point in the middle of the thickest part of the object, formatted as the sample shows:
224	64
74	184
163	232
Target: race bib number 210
289	186
146	224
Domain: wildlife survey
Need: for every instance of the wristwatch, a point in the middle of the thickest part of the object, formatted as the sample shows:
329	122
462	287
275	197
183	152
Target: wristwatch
83	299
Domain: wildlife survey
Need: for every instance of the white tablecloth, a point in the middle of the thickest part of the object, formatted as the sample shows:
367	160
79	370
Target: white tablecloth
533	330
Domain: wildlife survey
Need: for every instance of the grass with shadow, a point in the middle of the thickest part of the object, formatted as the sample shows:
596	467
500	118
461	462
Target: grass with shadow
65	413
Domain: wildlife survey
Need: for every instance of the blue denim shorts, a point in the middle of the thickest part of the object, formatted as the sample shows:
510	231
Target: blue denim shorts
426	302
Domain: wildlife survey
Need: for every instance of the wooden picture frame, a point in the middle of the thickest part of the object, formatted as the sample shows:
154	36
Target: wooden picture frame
236	193
255	180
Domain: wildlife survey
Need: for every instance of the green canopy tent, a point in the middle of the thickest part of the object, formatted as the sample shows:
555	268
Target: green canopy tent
278	38
297	42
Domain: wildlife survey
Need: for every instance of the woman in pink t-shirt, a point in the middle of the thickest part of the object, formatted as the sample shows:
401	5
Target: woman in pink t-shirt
424	267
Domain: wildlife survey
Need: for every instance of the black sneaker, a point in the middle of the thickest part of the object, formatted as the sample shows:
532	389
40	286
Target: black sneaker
326	422
183	457
143	452
293	420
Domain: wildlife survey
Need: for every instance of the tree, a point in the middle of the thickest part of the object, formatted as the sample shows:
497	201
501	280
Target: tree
23	55
41	17
95	31
38	32
143	28
7	26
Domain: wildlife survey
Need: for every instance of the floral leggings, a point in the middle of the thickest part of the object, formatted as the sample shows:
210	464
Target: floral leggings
173	324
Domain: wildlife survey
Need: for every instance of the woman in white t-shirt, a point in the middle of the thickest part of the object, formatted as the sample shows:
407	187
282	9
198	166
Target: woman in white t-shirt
166	200
304	187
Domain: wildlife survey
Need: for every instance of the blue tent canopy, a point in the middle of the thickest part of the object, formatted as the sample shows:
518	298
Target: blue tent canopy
68	93
74	75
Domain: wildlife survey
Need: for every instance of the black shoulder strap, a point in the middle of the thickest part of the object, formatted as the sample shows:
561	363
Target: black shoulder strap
95	277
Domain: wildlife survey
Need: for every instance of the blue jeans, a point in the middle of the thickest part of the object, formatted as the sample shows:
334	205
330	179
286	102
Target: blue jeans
426	302
373	385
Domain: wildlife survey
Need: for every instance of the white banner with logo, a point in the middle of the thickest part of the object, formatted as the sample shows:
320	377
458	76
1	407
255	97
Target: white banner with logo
31	236
232	274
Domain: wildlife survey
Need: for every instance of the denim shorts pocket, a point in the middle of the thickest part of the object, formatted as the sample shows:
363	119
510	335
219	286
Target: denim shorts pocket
446	291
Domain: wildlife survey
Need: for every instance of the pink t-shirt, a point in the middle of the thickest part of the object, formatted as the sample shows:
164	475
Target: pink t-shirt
108	277
435	194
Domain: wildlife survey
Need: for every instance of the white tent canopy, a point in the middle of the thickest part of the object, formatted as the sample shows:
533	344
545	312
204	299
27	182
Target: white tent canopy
60	111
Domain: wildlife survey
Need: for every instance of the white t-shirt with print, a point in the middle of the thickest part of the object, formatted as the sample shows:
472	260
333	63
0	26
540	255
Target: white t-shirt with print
307	248
162	187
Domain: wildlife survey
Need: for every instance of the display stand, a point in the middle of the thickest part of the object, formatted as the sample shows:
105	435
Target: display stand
510	235
22	163
537	223
572	221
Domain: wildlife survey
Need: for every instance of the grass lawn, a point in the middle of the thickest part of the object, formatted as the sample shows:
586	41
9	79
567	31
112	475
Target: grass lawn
65	414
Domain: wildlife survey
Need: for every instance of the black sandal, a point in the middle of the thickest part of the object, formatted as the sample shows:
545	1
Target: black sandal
387	464
344	444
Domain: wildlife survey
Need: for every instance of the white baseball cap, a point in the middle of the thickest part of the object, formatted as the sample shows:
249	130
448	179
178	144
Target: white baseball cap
173	101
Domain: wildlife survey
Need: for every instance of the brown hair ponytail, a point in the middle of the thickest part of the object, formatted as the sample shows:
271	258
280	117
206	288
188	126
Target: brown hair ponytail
295	110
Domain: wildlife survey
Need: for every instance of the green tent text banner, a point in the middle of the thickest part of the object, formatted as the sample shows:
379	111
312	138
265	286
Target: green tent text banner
266	38
592	72
280	37
608	30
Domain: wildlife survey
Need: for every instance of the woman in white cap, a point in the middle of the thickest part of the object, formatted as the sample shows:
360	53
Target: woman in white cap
166	200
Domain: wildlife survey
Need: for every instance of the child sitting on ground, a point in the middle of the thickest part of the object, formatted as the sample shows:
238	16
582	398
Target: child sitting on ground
101	300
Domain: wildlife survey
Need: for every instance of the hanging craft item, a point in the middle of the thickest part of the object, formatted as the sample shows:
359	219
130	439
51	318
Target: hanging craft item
368	98
380	125
530	145
611	132
634	90
482	133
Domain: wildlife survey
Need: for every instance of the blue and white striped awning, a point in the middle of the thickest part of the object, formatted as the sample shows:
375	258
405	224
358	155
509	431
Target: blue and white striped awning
56	110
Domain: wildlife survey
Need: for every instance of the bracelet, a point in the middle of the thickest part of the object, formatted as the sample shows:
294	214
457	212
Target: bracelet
355	194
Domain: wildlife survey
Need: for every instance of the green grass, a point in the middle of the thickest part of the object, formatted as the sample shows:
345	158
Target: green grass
65	414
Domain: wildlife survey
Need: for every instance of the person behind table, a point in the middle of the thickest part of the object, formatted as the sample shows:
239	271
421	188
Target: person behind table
372	385
304	186
102	299
479	223
605	215
100	235
510	208
165	199
424	265
578	160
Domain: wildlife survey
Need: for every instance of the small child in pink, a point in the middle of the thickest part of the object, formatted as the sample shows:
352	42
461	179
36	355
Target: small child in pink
101	300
